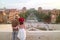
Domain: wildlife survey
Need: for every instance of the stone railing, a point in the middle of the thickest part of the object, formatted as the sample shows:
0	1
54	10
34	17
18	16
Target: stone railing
6	34
43	35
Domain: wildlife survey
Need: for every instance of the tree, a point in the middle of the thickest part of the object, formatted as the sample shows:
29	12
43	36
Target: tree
24	15
47	18
58	19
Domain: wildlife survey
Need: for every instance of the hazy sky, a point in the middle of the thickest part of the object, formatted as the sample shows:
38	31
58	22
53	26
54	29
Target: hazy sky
45	4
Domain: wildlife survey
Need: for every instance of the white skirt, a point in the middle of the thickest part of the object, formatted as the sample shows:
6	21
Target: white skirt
21	34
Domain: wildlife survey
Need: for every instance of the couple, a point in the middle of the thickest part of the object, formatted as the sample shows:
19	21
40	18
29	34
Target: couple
19	29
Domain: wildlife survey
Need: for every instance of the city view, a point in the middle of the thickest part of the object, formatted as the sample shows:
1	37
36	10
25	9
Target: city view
42	18
42	15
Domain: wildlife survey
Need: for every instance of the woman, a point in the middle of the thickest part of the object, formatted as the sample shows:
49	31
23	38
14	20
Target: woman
21	33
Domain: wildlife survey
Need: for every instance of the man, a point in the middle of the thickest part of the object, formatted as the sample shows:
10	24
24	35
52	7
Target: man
15	28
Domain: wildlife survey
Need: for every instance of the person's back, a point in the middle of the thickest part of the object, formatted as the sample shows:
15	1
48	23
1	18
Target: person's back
14	24
15	29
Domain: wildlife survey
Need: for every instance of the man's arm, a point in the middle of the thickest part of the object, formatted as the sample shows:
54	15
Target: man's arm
15	27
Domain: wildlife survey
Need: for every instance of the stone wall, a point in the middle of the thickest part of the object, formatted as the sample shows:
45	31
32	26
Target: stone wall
33	35
6	34
43	35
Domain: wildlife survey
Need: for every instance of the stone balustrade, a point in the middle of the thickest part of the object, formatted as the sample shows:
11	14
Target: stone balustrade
6	34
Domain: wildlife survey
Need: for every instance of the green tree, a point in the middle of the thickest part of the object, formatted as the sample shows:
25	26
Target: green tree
47	18
24	15
58	19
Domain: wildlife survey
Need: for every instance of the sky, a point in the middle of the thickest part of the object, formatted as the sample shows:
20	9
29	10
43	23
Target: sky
19	4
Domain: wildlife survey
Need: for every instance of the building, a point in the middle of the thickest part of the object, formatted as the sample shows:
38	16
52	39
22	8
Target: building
54	13
24	9
46	11
40	9
13	13
7	15
3	16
